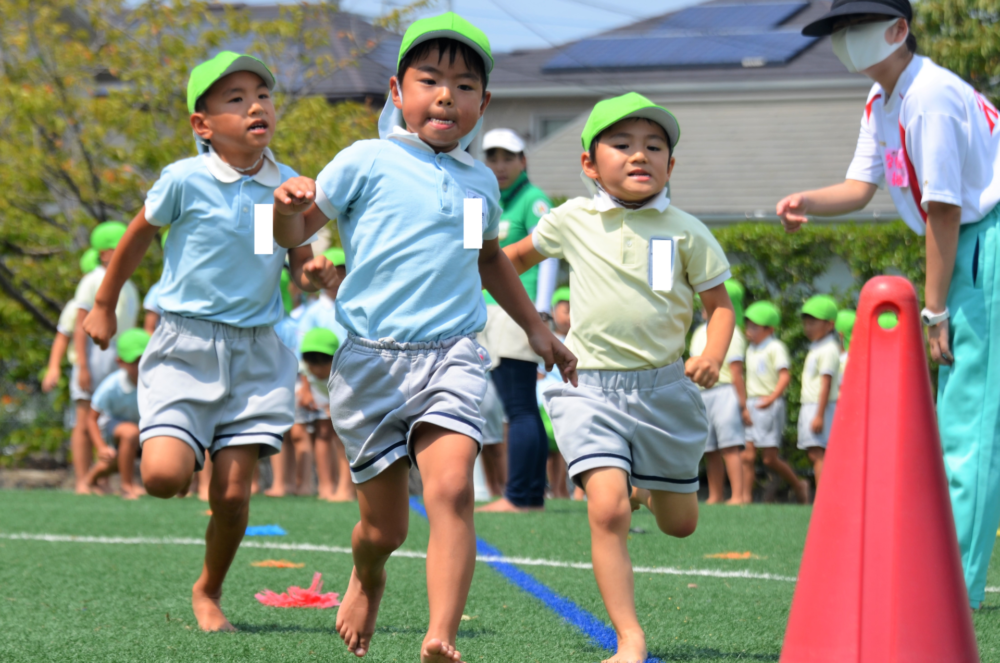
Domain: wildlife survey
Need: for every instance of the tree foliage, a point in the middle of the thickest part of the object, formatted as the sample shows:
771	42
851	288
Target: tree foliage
964	36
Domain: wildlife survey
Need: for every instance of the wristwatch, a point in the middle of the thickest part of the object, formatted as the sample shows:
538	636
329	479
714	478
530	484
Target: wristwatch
929	318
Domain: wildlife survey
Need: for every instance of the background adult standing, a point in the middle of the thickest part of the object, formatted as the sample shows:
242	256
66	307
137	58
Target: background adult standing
515	371
935	142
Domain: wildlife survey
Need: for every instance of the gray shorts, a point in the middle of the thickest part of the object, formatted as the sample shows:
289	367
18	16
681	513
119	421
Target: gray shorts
725	423
492	410
306	416
101	364
768	424
807	438
215	386
652	424
380	390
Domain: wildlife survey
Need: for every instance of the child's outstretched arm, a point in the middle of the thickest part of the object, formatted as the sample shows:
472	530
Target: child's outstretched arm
296	216
523	255
101	324
704	369
500	279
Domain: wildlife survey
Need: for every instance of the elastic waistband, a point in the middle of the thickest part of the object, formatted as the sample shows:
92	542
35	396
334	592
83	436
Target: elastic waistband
390	345
633	380
208	329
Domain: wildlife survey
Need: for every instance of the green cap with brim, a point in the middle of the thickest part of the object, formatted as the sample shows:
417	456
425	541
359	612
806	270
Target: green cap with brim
764	314
633	104
227	62
844	325
131	345
336	256
736	294
89	261
447	26
107	235
821	307
286	296
319	339
560	295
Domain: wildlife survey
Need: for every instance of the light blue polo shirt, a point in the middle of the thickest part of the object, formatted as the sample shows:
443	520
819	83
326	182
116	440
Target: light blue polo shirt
400	210
321	313
210	271
150	302
117	398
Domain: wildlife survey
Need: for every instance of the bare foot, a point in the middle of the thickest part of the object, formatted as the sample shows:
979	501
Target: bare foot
503	505
207	611
640	497
325	496
631	649
132	492
734	502
272	492
435	651
344	497
82	489
802	492
356	614
712	500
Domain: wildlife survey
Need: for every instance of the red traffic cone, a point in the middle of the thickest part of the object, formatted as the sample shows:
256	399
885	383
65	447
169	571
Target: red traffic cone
881	577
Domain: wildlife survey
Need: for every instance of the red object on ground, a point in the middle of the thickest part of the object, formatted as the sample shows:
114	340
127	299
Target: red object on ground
296	597
881	577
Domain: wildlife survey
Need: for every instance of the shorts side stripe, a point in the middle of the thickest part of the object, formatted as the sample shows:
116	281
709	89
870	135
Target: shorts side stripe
601	455
374	460
455	417
664	479
180	428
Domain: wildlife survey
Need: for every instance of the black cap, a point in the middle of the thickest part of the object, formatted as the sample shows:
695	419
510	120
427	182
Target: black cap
841	8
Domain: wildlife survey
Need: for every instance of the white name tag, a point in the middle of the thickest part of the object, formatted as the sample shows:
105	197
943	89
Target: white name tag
263	229
661	264
473	223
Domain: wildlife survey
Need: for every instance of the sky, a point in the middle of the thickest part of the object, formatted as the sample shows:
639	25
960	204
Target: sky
522	24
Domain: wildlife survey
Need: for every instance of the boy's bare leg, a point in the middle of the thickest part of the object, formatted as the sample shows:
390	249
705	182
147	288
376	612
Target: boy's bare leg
255	480
610	515
344	492
324	460
79	444
734	470
749	459
229	497
384	502
816	457
302	444
205	483
279	468
773	462
676	513
446	460
98	471
715	471
557	475
495	467
128	446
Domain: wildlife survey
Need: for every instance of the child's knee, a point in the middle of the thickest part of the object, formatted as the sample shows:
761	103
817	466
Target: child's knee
163	482
387	537
679	528
454	488
771	461
609	515
230	501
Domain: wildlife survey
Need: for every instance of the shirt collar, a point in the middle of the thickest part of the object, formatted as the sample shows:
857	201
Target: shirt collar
413	140
763	344
605	203
126	384
268	175
903	84
823	341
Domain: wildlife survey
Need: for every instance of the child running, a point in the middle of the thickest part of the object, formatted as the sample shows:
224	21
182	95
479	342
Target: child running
820	379
767	369
636	420
113	421
419	220
215	380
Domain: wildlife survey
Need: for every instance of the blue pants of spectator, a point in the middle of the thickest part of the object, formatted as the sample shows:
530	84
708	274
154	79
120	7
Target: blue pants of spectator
527	444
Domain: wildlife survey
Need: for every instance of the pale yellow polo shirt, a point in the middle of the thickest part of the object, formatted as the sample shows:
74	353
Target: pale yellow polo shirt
823	359
736	351
619	323
129	302
764	363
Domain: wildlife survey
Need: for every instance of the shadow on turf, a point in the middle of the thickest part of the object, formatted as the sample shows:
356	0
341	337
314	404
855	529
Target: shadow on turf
709	654
464	632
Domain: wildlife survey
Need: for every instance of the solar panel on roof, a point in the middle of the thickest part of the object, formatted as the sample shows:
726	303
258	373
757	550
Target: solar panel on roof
720	17
655	51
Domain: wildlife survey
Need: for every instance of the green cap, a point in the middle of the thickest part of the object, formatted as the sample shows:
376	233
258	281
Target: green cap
887	320
286	296
107	235
319	339
131	344
736	293
821	307
448	26
336	256
633	104
89	261
204	75
764	314
845	325
560	295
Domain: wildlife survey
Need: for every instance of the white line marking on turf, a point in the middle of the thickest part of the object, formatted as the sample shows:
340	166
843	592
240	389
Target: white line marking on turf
411	554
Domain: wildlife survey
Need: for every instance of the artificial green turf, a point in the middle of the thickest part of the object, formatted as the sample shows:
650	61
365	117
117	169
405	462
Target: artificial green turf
99	602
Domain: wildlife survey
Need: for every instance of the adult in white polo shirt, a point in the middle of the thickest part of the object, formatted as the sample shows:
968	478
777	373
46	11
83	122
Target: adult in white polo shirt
935	142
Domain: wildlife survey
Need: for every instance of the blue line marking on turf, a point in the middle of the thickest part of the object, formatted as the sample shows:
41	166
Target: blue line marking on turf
598	632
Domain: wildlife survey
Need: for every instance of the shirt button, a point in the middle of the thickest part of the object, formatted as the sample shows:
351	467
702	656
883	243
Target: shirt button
246	209
628	243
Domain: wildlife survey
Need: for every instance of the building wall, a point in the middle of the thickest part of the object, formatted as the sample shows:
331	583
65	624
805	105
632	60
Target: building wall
738	155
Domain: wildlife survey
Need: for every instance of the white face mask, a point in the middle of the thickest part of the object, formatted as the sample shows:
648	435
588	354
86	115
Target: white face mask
863	46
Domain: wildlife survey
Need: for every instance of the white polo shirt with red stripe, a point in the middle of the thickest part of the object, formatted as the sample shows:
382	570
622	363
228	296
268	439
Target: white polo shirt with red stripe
935	140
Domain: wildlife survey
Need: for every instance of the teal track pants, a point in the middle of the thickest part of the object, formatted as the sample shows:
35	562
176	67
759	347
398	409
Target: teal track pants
968	405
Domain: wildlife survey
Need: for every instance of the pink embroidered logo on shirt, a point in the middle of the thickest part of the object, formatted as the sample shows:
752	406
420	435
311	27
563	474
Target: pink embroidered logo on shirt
991	113
896	173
